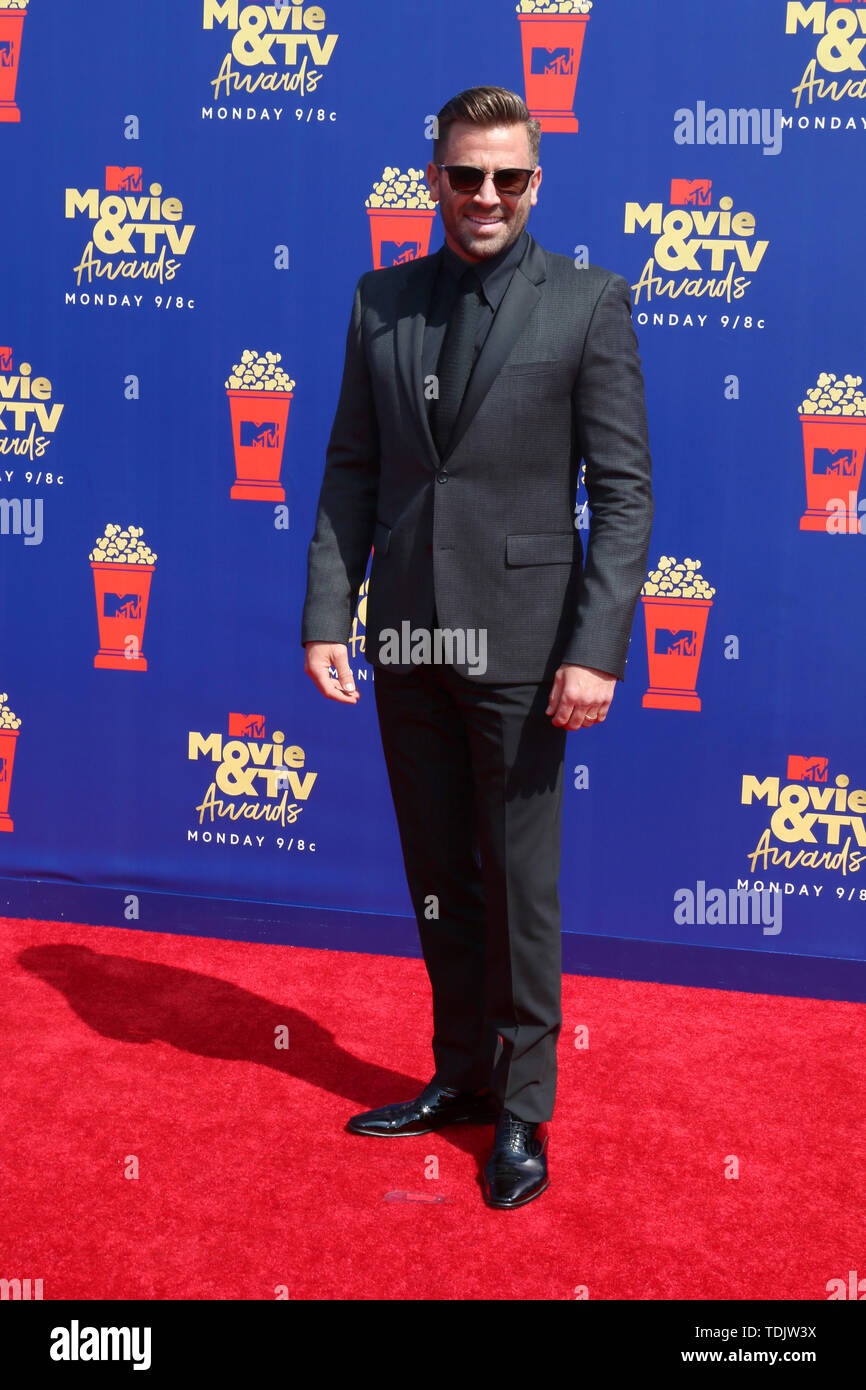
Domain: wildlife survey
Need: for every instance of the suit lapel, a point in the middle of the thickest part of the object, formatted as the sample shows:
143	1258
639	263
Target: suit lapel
517	304
412	305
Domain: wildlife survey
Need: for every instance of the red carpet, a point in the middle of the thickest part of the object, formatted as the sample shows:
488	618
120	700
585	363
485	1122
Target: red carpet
120	1043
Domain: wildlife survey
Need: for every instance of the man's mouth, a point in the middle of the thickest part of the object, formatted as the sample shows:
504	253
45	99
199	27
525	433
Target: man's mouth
484	221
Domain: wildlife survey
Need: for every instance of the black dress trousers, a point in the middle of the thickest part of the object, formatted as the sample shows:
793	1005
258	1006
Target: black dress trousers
476	775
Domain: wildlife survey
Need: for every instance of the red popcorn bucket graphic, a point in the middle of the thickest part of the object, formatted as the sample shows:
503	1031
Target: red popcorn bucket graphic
11	24
7	758
675	629
122	592
259	420
400	234
833	450
552	45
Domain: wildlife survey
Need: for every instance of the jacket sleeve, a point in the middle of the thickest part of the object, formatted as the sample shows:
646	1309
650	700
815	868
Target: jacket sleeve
609	413
346	516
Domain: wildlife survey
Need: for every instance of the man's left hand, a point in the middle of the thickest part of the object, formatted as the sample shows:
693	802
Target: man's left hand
580	696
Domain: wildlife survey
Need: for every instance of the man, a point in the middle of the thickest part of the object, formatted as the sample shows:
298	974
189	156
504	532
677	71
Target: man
474	382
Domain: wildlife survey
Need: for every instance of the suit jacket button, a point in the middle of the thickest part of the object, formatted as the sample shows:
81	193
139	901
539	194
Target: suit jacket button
442	477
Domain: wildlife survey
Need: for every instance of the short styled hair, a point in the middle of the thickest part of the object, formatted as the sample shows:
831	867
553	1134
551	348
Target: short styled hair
486	107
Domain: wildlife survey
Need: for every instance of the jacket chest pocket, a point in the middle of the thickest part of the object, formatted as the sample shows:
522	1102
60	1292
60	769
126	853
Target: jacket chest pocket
514	369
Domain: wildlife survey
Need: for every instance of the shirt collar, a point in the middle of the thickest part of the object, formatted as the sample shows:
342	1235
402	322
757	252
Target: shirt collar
494	273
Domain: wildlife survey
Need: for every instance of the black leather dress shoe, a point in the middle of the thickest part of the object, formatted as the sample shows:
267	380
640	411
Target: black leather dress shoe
517	1169
436	1107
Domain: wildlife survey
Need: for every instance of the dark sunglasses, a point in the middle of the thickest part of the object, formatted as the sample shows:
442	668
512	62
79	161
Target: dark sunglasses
464	179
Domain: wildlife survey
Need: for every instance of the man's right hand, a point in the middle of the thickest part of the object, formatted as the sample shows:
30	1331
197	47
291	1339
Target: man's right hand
321	656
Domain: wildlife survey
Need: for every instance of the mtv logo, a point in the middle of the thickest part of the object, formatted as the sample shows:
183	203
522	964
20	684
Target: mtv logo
262	436
7	53
5	359
121	180
122	606
246	726
682	643
552	61
697	192
398	252
834	461
802	769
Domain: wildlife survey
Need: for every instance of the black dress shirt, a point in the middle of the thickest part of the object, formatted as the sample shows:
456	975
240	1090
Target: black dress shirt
495	275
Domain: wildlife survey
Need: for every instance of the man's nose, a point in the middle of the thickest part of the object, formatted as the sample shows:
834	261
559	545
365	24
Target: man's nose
488	192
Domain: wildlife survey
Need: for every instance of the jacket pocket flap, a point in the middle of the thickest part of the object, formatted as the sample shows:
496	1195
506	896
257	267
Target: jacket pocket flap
544	548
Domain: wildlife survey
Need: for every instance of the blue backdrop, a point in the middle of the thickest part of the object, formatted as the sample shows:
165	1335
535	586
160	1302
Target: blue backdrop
187	182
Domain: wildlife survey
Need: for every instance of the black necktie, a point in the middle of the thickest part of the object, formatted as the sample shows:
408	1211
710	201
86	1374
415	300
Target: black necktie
456	359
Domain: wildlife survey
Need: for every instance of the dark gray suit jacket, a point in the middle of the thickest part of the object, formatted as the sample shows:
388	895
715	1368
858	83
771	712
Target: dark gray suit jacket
488	530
